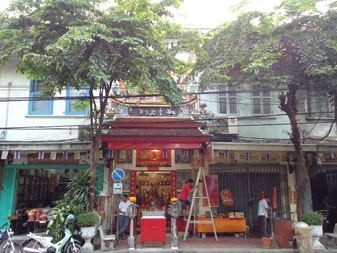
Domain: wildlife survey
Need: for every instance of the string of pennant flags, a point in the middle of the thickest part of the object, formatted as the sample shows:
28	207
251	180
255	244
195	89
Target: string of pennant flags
247	156
53	155
227	154
267	157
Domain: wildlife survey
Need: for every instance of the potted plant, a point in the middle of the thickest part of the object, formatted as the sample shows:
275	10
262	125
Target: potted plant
88	223
315	220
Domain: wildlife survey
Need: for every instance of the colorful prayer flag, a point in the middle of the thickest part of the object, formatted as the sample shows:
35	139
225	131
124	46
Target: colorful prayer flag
4	154
65	155
111	154
53	156
332	155
185	153
77	155
17	155
40	155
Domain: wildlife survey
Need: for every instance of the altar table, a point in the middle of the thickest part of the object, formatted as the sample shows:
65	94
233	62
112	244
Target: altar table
223	225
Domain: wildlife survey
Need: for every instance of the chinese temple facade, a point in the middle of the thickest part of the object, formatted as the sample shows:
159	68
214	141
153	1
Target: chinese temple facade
159	147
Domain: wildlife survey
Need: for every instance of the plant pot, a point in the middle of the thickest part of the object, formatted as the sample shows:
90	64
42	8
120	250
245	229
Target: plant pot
284	233
304	238
317	232
88	233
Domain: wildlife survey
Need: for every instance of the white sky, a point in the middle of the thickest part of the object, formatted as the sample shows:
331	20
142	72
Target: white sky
205	13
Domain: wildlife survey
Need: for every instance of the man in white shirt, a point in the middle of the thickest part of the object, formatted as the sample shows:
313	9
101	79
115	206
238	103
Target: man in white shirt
123	218
262	214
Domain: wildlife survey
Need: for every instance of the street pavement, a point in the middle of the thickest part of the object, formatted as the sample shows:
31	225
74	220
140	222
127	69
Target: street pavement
204	245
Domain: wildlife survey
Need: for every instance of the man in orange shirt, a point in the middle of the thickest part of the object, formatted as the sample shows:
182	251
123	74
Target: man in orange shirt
183	199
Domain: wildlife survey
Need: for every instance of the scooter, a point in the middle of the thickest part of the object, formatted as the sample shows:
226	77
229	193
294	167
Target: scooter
10	246
41	243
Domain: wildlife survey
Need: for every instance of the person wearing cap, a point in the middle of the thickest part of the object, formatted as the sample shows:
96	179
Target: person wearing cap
183	199
123	219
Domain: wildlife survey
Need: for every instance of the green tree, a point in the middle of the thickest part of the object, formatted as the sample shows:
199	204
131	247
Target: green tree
76	43
293	47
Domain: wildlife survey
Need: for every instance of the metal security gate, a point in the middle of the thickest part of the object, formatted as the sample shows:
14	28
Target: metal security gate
246	183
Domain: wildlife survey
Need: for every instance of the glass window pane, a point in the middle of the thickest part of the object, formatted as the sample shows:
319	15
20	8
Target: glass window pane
76	93
266	91
222	90
232	106
40	105
232	91
223	105
256	106
39	86
256	91
266	106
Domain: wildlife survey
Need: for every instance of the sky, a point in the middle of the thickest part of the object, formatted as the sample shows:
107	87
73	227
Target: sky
205	13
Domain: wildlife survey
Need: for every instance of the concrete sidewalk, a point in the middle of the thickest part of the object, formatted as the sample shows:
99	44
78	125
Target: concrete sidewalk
200	245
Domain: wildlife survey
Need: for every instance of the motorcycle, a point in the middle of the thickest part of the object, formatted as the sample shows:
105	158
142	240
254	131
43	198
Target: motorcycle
10	246
42	243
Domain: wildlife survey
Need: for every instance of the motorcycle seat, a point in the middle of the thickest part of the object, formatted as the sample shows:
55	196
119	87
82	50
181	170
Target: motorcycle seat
44	235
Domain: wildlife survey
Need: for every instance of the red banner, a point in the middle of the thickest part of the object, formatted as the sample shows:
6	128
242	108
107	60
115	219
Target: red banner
275	198
174	184
213	191
133	183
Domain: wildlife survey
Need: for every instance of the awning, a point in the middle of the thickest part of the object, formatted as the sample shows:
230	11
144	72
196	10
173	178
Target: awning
155	133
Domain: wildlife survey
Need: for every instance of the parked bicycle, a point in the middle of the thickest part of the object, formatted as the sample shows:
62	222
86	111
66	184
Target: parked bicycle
42	243
10	246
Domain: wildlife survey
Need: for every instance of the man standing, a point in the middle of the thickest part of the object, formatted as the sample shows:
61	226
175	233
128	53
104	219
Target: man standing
183	199
262	214
123	218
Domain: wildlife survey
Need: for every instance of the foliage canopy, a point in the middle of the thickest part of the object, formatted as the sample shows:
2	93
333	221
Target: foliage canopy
75	43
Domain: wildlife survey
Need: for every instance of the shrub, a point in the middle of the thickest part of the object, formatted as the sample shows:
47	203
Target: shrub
313	219
89	219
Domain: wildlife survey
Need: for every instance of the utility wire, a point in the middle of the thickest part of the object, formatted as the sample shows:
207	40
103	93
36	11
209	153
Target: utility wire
29	98
71	127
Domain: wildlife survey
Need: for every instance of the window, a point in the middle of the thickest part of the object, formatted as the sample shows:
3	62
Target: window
37	104
261	100
227	99
70	104
318	103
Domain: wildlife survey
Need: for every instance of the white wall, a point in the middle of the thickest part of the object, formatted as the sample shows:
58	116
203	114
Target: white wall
18	111
245	115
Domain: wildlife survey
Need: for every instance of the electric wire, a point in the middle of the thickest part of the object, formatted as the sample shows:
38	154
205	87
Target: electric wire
71	127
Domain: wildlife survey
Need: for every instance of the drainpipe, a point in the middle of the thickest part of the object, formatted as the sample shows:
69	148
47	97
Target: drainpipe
4	133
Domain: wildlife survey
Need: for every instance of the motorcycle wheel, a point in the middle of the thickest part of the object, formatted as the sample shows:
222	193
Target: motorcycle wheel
70	248
32	244
8	249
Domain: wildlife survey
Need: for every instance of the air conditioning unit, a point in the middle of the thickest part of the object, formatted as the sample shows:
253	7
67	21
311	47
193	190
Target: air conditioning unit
233	127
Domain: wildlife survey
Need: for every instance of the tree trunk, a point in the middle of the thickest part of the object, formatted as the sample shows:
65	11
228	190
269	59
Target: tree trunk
288	105
96	122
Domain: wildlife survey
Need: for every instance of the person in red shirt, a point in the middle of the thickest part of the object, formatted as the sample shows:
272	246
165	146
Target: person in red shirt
183	199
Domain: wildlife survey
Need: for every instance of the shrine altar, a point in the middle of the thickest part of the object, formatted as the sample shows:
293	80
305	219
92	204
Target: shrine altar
223	225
